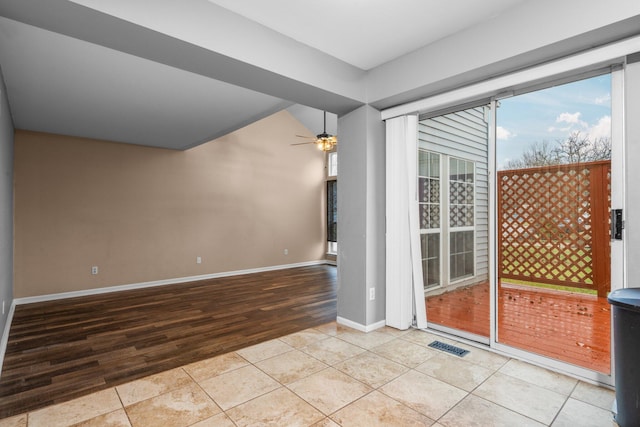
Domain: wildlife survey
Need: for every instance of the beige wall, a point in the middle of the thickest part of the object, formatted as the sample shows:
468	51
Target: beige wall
143	214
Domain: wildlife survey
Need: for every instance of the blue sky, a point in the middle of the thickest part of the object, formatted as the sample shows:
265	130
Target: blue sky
553	114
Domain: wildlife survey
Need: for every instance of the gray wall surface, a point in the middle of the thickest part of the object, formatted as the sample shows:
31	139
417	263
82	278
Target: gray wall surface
376	242
361	216
6	205
538	31
352	199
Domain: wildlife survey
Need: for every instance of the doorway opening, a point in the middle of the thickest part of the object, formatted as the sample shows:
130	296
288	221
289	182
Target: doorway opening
551	161
553	191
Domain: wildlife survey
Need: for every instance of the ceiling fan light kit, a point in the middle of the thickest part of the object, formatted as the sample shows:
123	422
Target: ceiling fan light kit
324	141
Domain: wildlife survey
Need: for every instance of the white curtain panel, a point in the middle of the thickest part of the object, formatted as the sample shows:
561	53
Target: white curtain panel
404	288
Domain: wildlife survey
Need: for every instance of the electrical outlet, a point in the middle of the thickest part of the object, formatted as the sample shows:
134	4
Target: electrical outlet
94	270
198	260
372	294
286	251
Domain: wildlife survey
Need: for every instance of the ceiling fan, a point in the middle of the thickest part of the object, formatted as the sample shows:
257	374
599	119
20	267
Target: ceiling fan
323	141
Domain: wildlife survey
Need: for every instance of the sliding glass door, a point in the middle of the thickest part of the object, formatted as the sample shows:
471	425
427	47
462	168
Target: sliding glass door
553	190
514	200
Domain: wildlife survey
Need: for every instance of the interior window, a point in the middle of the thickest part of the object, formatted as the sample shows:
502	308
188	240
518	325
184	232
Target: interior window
332	164
332	203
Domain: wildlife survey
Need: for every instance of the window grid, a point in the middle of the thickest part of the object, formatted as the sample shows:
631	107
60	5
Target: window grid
430	213
461	193
461	218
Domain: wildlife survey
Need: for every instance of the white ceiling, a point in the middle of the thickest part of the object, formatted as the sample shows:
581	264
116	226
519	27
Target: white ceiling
367	33
175	74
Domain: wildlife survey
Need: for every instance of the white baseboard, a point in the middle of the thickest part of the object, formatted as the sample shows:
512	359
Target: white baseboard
5	334
357	326
97	291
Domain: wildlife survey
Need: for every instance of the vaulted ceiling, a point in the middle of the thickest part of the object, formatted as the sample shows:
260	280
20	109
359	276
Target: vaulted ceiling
175	74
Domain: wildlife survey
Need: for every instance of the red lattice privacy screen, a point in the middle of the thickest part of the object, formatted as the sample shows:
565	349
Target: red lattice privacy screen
553	225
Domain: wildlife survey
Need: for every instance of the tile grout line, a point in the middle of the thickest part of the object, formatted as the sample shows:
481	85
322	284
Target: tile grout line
124	408
333	365
281	384
402	403
564	403
222	411
470	393
519	379
495	371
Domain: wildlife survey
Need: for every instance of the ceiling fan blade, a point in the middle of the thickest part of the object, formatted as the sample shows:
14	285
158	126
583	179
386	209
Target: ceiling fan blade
303	136
303	143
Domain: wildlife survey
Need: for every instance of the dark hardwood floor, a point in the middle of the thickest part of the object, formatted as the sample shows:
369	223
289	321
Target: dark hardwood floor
64	349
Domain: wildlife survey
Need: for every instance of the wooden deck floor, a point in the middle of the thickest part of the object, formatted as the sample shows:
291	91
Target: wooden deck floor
574	328
60	350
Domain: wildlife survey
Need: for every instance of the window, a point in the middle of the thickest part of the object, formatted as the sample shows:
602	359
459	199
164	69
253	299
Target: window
332	164
453	180
332	211
332	203
429	205
446	199
461	218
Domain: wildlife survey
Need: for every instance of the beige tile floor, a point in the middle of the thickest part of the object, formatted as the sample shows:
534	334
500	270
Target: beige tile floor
336	376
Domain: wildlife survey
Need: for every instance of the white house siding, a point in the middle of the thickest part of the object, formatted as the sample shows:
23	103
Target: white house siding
464	134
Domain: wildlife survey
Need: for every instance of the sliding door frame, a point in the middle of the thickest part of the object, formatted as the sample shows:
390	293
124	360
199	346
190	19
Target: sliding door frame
617	247
610	58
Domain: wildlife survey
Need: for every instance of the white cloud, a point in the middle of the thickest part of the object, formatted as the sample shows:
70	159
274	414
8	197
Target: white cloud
573	124
502	133
568	118
572	119
602	129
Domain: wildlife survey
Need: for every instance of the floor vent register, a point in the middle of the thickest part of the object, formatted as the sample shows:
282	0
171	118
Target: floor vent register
449	348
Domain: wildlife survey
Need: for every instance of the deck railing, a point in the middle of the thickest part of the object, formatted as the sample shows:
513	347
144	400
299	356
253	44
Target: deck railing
553	225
